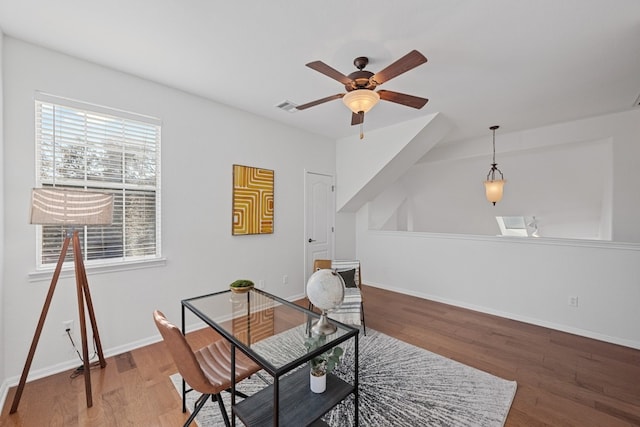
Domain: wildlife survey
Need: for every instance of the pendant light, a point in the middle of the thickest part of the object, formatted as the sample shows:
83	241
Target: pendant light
494	187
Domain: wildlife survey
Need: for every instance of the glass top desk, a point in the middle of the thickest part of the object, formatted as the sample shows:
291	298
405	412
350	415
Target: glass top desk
272	332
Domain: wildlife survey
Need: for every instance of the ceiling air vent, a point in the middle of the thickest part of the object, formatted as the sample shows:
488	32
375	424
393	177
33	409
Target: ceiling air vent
287	106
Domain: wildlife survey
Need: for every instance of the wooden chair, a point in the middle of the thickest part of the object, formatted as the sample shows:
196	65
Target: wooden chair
207	370
352	309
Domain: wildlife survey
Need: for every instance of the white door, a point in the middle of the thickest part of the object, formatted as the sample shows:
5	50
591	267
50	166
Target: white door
319	219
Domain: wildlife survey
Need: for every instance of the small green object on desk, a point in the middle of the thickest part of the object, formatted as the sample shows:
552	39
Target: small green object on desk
325	362
241	285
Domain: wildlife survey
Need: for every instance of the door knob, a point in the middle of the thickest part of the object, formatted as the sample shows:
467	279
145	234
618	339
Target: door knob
311	240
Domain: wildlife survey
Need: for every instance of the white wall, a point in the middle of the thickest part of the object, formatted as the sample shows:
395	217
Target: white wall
366	166
585	169
2	314
520	278
200	142
345	242
563	187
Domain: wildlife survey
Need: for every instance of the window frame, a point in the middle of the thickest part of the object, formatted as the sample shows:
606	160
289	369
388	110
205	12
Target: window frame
122	262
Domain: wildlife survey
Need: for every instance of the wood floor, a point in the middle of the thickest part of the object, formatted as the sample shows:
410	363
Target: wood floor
563	379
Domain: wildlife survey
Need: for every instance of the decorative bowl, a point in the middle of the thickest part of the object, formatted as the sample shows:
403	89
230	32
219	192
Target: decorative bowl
240	290
241	286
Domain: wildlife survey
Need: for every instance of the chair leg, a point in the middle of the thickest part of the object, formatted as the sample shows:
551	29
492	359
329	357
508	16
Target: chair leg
264	380
364	326
223	410
238	393
184	396
199	404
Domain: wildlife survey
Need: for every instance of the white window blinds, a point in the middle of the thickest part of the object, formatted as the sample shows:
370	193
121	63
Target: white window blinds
83	146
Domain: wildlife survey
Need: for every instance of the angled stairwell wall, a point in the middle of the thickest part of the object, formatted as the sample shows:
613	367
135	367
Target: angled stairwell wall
384	210
365	168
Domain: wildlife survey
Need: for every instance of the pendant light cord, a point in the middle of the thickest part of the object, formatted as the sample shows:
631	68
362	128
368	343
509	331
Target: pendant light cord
493	128
494	166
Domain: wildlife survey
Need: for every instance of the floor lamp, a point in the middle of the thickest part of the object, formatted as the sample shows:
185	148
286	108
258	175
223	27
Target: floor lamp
69	208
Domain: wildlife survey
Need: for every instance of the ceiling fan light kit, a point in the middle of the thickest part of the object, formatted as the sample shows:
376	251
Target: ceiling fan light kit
361	100
360	86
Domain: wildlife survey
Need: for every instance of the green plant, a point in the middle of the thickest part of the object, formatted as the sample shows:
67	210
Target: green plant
324	362
241	283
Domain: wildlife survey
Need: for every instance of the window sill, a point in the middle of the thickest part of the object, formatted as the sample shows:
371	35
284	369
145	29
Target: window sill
69	271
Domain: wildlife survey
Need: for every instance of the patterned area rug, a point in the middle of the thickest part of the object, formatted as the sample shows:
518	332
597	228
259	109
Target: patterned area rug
400	385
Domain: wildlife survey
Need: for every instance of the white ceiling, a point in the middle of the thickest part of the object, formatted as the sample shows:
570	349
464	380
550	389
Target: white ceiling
517	63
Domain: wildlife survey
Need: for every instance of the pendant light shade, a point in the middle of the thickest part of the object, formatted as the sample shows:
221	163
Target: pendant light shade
494	187
493	190
360	100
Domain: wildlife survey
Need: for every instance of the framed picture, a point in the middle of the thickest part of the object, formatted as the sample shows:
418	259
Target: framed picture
252	200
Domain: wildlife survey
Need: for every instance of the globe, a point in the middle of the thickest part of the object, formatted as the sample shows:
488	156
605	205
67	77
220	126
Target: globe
325	290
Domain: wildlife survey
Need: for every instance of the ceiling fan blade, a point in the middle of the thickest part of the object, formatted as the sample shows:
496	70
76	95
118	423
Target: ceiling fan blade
404	64
404	99
323	68
319	101
357	118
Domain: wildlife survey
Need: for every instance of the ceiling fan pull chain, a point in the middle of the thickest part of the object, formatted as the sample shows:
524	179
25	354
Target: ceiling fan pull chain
361	130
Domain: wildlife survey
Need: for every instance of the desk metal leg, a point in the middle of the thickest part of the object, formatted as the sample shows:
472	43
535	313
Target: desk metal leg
355	381
233	384
184	383
276	400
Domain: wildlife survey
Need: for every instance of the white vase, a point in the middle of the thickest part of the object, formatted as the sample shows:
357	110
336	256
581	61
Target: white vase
318	384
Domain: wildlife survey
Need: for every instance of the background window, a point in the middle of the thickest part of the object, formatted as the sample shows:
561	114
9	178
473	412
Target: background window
83	146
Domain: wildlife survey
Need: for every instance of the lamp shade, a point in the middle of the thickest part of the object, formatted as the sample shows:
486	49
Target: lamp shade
361	100
58	206
493	190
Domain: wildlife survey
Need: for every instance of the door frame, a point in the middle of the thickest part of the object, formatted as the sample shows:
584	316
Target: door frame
306	268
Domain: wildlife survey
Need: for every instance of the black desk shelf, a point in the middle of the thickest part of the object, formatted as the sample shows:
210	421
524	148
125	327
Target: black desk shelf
252	318
299	406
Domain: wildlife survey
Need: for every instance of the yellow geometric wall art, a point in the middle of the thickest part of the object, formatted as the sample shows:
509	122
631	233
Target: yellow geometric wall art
252	200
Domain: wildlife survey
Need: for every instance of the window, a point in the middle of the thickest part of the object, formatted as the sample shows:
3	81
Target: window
83	146
518	226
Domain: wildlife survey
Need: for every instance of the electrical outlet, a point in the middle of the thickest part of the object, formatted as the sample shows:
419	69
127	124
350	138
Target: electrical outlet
67	324
261	284
573	301
285	279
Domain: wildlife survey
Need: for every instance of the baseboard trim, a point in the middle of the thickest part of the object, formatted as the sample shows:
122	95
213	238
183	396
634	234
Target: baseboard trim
69	364
114	351
513	316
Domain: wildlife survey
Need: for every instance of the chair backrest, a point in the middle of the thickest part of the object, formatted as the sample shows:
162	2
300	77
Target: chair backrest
340	265
321	264
181	352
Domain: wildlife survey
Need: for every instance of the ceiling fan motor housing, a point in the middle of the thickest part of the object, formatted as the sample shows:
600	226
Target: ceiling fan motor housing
360	80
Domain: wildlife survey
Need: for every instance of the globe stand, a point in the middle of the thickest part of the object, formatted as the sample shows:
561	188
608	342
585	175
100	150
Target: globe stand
322	326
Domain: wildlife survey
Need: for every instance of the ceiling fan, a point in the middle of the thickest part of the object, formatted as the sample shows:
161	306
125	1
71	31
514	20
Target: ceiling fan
360	86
